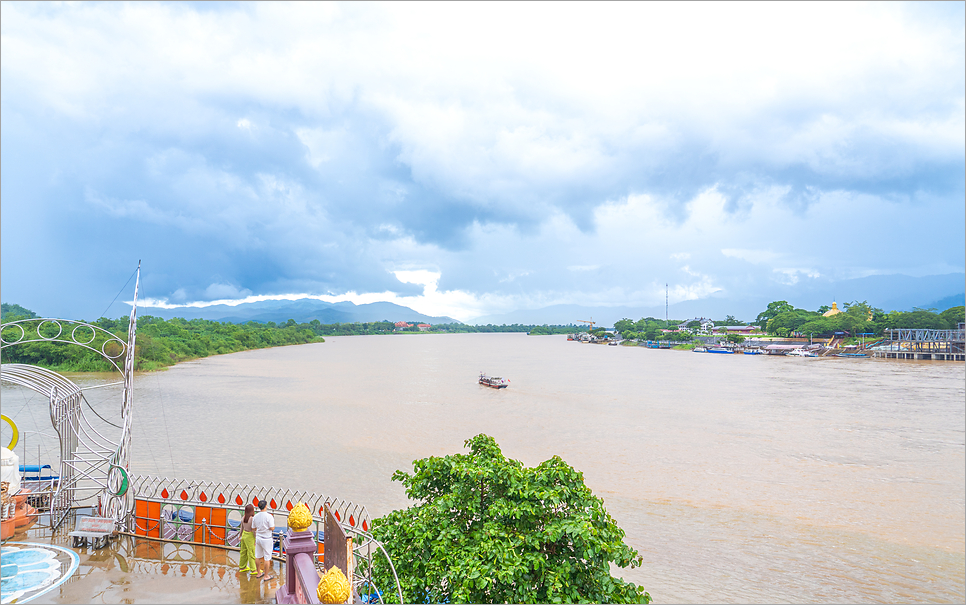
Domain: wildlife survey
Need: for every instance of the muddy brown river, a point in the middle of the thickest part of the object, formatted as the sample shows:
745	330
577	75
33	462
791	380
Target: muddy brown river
738	478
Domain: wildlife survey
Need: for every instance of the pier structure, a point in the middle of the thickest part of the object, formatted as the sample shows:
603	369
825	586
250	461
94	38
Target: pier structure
906	343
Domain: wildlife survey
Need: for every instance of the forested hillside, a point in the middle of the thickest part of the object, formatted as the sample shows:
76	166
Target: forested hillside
159	342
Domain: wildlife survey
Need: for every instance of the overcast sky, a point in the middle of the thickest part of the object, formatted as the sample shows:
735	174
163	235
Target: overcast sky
471	159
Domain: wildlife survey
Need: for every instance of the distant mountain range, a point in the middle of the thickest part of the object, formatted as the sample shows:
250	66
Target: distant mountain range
888	292
957	300
302	310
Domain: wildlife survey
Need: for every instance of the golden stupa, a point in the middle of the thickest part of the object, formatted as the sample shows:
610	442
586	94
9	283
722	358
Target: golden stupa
833	311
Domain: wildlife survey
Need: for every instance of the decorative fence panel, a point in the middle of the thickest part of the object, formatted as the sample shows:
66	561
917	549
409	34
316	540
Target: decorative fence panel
210	512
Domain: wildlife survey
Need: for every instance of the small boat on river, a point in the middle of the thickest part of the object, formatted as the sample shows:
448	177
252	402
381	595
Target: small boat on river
494	382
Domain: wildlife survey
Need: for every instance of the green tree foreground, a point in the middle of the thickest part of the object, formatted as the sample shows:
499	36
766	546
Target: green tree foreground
487	529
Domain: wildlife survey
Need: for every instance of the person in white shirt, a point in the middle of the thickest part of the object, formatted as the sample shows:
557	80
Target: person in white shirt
263	523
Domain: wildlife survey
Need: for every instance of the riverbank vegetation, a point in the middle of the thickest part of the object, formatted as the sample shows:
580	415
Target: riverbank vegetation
163	342
782	319
388	327
487	529
646	328
546	330
160	342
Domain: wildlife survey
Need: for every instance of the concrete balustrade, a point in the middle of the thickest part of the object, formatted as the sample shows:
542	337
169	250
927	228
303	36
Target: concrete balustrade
301	576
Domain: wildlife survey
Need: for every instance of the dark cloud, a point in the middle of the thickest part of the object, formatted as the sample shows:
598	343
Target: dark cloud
325	175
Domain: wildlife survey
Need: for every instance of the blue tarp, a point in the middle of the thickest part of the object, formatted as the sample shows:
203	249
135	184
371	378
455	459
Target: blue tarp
33	468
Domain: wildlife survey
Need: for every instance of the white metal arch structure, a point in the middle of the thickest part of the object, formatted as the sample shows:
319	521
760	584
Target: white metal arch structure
91	464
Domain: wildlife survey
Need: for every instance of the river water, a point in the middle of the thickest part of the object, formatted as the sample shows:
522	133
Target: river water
738	478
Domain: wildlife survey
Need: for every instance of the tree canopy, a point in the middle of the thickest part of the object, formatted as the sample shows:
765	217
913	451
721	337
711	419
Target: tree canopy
487	529
624	326
542	331
647	328
858	317
12	311
774	309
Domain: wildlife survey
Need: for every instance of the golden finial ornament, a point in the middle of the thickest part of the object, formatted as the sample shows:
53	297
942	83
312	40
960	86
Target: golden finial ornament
334	586
299	519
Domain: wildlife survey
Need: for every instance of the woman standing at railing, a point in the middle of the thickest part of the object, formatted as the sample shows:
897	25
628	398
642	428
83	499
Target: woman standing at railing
246	561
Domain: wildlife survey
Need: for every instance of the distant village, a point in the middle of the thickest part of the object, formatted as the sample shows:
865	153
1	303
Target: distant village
857	331
402	326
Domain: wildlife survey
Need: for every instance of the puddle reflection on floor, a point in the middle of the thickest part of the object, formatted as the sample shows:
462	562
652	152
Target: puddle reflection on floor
133	570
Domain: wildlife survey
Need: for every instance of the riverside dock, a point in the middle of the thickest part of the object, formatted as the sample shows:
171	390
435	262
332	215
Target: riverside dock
940	345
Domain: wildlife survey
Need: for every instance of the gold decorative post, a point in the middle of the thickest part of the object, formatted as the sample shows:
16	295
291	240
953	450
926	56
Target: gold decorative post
334	586
299	519
301	577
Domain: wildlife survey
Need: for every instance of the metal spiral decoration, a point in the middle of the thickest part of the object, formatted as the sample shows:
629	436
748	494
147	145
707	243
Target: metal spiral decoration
91	463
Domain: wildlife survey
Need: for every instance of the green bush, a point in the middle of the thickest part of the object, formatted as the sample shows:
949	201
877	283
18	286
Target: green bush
487	529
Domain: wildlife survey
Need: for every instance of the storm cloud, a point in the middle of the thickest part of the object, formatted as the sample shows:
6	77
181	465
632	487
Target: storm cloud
473	159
